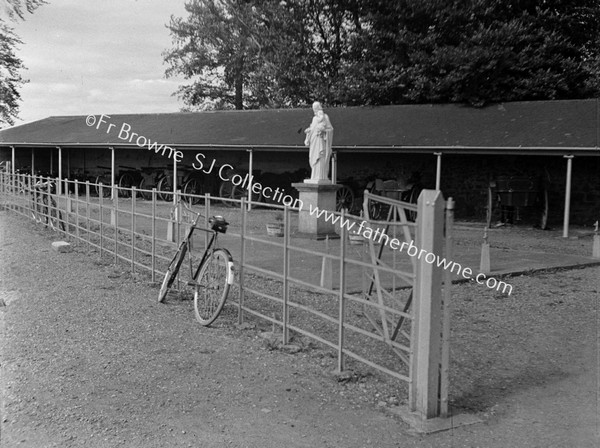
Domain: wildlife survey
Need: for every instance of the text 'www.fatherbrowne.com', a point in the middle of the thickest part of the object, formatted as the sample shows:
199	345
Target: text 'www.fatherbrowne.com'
379	236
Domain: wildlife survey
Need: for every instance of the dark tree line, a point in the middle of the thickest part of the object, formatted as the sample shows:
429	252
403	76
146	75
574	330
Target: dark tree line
286	53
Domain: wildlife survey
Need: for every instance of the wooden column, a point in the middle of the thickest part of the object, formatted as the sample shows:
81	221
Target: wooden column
13	159
112	172
438	170
250	163
59	186
567	196
334	167
175	183
426	329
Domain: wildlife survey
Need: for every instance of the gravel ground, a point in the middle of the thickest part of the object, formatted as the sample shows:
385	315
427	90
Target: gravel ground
88	358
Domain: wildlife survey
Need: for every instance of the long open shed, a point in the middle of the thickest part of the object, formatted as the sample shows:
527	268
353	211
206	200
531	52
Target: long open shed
363	136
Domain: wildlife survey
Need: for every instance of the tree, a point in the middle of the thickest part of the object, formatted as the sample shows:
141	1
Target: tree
10	64
216	47
16	8
476	52
370	52
249	54
10	79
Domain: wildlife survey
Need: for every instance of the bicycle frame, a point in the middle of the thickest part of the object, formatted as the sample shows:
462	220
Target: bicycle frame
209	246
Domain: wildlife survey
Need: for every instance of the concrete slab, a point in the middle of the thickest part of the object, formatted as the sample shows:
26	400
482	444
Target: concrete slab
432	425
61	246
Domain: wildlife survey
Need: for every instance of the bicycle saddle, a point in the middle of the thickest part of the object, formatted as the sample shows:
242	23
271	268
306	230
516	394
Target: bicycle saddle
218	224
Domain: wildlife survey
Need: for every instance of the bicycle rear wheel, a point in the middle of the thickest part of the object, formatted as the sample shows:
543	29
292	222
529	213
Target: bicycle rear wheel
213	283
172	271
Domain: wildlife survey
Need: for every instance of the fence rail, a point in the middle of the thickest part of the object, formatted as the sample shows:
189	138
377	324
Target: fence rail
277	280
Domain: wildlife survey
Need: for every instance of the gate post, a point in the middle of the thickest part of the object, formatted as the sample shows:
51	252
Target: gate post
426	328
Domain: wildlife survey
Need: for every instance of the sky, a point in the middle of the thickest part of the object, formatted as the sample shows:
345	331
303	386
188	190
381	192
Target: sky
92	57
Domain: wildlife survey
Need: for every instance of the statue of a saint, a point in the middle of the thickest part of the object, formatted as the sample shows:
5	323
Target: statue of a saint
319	137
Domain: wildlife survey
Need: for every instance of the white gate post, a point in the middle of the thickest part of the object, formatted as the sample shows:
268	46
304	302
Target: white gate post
426	328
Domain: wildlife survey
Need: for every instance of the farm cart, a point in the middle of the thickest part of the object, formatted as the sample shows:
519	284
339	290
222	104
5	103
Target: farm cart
393	189
512	196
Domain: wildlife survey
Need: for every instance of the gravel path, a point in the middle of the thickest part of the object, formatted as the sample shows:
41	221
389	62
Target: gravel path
88	358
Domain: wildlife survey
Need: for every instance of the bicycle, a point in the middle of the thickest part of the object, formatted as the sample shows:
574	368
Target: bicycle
210	280
44	208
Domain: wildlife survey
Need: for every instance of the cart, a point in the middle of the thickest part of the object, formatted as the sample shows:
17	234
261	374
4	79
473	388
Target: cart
513	196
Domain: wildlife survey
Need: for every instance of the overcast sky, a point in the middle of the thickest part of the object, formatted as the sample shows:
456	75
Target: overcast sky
92	57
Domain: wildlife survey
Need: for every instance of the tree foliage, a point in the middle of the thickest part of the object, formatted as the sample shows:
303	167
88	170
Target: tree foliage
10	79
481	51
250	53
10	63
16	9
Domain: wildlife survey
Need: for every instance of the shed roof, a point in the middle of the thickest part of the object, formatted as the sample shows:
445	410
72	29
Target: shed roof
516	126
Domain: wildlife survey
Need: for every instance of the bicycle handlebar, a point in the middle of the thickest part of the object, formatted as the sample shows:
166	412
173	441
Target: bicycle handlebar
217	223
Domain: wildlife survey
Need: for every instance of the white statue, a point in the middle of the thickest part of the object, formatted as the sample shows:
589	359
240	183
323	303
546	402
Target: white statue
319	137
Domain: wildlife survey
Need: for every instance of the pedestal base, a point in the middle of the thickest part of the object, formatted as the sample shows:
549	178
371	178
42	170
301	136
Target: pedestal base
316	196
432	425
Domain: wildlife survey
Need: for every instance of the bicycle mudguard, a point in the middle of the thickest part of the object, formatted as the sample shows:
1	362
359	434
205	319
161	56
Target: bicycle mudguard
230	273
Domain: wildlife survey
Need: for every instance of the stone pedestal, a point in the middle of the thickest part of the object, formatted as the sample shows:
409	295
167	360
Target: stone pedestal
316	196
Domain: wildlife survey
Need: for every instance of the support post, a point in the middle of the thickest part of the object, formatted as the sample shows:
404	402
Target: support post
426	329
286	274
76	206
567	196
133	196
438	170
342	302
484	262
59	182
596	242
13	160
445	364
334	167
112	173
250	167
242	262
174	181
327	268
153	234
32	161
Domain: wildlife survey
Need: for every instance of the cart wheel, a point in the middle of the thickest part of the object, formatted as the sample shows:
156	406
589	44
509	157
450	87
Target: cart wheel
374	210
544	219
225	192
106	188
413	198
193	187
126	181
239	193
344	198
142	192
165	189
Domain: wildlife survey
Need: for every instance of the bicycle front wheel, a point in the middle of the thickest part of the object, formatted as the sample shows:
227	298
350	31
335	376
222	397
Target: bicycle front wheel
172	271
213	283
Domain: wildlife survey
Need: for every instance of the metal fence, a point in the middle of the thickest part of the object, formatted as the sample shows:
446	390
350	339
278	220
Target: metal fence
352	294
